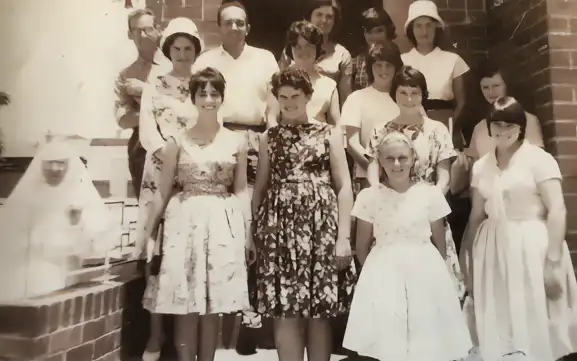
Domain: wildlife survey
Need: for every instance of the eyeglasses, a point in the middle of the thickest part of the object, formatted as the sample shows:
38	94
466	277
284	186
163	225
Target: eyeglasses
148	31
393	160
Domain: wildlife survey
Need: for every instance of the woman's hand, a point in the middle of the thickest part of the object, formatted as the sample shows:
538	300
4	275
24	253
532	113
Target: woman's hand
343	253
250	249
553	279
74	215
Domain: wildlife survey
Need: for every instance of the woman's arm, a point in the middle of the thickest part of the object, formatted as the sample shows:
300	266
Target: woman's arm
438	236
444	175
262	175
476	217
150	137
552	196
460	93
373	172
161	198
240	181
364	240
334	113
342	182
355	149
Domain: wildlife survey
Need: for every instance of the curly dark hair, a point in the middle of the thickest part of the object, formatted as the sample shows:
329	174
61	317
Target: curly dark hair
377	16
308	31
293	77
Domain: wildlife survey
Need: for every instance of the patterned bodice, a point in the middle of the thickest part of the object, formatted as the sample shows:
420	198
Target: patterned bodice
300	153
207	170
172	110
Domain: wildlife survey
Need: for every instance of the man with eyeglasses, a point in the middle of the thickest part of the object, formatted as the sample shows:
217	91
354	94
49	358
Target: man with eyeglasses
131	81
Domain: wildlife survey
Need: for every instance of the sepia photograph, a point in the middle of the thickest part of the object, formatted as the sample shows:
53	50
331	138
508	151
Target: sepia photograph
291	180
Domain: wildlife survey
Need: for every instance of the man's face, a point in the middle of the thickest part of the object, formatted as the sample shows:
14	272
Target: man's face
144	34
233	25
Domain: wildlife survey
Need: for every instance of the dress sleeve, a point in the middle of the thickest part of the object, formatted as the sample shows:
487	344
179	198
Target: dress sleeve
364	207
445	147
460	67
545	167
438	206
149	135
346	65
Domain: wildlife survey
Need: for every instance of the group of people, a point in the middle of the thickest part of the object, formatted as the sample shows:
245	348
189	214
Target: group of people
322	186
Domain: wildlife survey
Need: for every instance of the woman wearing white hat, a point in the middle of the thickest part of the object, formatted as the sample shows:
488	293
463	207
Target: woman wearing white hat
165	110
443	70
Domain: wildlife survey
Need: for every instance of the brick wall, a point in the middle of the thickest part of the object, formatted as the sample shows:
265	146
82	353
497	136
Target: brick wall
82	324
536	40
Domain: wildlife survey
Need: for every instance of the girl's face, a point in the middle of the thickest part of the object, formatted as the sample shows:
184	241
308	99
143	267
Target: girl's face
54	171
182	52
304	53
376	35
383	72
409	99
397	159
424	29
505	134
324	18
293	102
208	99
493	88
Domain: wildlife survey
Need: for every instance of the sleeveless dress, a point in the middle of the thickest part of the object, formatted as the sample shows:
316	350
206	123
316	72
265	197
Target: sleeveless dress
514	316
203	268
297	229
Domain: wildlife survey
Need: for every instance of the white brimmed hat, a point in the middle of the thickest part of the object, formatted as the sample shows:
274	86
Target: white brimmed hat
423	8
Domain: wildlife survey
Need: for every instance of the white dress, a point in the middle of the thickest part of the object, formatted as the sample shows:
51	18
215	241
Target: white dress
513	315
405	306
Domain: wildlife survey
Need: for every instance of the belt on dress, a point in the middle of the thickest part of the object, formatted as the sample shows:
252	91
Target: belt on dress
261	128
438	104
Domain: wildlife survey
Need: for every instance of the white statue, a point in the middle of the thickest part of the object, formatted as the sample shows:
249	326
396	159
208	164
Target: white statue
52	220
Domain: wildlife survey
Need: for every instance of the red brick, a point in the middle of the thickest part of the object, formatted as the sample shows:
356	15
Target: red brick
78	310
211	11
565	111
88	307
97	304
22	348
193	12
103	188
452	16
571	203
113	356
564	128
104	345
57	357
558	24
81	353
565	146
93	330
573	24
563	76
66	314
561	7
65	339
570	185
211	40
54	316
558	41
441	4
113	322
24	321
106	295
571	239
560	58
568	167
563	93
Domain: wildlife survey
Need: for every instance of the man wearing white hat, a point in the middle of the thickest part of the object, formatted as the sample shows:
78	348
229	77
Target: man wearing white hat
443	70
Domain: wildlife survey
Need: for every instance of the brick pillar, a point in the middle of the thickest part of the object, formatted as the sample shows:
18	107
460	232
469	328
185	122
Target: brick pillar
536	41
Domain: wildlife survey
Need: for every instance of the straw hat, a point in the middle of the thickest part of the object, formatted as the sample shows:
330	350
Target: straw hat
423	8
182	26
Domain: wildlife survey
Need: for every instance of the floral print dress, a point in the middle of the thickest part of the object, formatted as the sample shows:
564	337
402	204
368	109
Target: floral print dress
203	268
296	230
433	144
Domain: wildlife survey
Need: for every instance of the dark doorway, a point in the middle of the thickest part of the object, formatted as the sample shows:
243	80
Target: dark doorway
270	20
